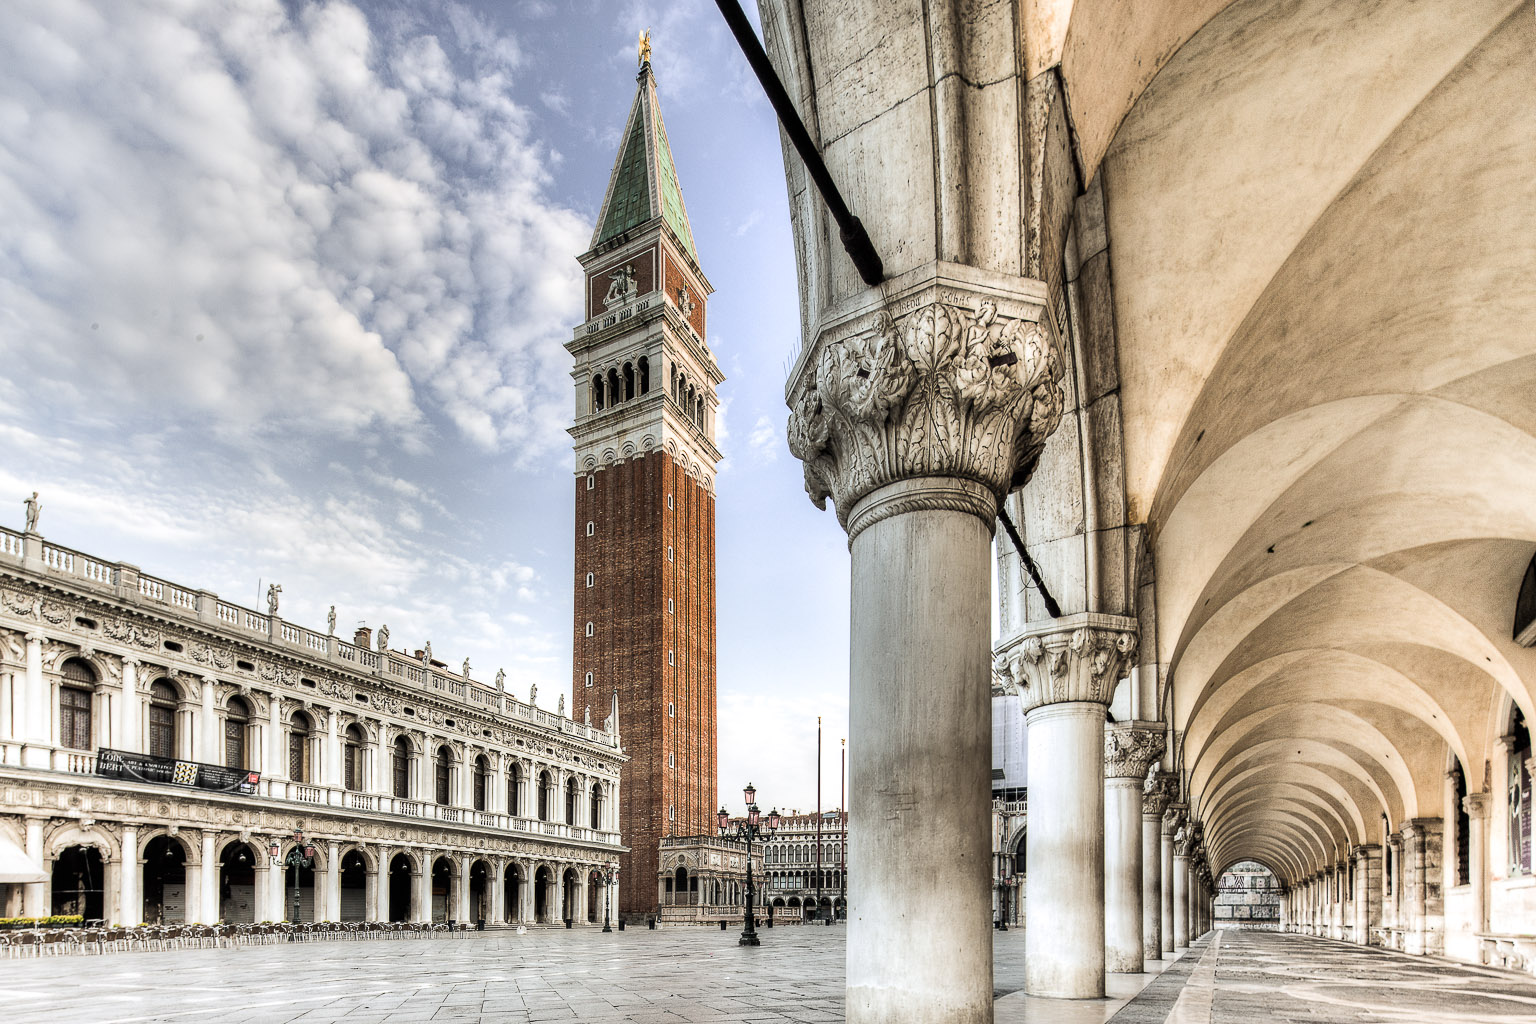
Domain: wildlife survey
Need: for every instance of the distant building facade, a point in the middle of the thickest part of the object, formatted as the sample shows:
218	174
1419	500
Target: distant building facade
644	434
701	880
157	744
801	886
1248	896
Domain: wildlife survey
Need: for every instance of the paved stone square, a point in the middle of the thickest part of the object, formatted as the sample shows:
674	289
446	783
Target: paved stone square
688	976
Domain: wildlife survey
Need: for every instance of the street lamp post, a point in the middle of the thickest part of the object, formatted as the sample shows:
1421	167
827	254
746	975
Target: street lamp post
749	830
300	857
610	873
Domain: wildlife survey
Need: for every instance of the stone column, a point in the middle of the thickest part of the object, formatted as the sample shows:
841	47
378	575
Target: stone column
1129	750
421	899
1155	797
331	910
35	894
276	889
916	408
130	909
209	898
1065	675
1181	876
331	773
495	893
277	765
1476	806
1172	819
207	749
128	710
37	711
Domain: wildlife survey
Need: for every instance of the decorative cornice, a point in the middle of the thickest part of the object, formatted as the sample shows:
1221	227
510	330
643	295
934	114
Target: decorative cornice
1158	792
1076	658
1130	749
952	373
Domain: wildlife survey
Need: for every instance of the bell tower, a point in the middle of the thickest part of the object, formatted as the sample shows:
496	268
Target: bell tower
644	435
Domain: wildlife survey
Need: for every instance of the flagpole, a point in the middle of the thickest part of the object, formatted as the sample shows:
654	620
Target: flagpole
818	816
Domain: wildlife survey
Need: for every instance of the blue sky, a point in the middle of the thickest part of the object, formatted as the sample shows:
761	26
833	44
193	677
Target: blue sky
283	293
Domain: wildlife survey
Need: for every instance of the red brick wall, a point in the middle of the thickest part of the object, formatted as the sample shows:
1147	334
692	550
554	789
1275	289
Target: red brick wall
651	656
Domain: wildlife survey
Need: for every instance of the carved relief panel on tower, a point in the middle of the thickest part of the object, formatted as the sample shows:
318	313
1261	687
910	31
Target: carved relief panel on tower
621	280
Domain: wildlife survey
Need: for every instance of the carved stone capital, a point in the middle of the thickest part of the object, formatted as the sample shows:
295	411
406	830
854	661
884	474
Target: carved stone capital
1476	805
1159	791
1131	748
1173	819
948	371
1075	658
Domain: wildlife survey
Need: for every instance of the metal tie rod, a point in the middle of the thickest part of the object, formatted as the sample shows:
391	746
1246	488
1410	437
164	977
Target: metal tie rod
854	238
1051	607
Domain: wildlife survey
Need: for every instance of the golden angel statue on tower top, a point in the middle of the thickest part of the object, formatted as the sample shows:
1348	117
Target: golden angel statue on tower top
645	47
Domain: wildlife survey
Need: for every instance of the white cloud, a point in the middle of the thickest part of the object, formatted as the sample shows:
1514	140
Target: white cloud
764	439
283	224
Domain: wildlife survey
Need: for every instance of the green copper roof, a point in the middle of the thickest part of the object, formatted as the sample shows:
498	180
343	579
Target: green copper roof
644	183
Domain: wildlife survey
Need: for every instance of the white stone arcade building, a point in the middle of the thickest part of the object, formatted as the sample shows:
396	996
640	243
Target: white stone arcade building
157	742
1228	304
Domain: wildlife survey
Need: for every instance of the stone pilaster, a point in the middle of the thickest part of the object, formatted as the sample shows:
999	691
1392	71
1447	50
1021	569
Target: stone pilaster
916	407
1368	895
1424	901
1476	805
1129	750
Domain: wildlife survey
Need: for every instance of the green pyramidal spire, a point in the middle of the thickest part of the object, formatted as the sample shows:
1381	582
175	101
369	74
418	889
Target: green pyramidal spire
644	182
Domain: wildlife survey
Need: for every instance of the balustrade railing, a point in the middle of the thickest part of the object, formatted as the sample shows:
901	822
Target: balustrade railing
65	561
59	559
306	794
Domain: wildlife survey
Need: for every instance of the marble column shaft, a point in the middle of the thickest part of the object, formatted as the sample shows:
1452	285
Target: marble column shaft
1129	750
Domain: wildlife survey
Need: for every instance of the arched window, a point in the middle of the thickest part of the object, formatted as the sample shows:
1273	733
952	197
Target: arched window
298	747
515	791
597	805
545	785
597	393
589	674
444	774
162	719
589	629
645	375
237	719
75	704
401	769
570	801
614	391
589	579
629	382
482	774
698	413
352	758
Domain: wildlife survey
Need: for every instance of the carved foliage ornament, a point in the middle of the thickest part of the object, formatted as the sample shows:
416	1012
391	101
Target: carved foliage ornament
1160	790
1129	751
1081	664
940	391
